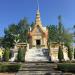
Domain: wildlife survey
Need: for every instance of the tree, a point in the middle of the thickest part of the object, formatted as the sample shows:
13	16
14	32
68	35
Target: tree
64	37
52	35
63	34
1	38
69	52
60	30
23	30
21	55
6	55
74	53
13	30
8	40
60	54
32	25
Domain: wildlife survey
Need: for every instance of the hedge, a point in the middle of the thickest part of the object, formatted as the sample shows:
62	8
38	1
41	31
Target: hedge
66	67
9	67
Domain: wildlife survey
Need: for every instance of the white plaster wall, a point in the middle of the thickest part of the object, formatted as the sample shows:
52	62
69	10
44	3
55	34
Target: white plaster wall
54	54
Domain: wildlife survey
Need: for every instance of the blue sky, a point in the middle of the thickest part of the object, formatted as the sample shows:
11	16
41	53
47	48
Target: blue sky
11	11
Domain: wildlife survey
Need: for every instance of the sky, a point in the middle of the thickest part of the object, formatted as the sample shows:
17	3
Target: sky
11	11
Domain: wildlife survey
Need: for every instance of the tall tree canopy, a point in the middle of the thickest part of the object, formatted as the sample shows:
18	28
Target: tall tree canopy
60	30
32	25
63	34
1	38
8	40
58	33
23	30
52	33
12	32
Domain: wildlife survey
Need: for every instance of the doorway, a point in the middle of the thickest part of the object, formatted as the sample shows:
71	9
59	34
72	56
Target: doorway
38	42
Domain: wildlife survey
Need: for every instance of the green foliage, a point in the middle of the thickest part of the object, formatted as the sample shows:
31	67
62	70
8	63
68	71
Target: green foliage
74	53
1	39
60	30
21	55
66	67
12	29
69	53
9	67
59	33
8	41
68	39
63	34
32	25
23	30
6	55
52	33
60	54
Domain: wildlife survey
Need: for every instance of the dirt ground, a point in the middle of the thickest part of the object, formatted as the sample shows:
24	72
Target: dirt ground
7	73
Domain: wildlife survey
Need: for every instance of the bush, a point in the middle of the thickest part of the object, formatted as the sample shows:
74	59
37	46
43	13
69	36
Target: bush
69	53
21	55
9	67
74	53
60	54
66	67
6	55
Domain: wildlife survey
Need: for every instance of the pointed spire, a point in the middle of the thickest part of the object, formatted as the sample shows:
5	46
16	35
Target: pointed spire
38	4
38	20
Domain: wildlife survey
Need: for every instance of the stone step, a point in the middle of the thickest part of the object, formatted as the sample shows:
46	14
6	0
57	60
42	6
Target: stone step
38	67
39	64
39	73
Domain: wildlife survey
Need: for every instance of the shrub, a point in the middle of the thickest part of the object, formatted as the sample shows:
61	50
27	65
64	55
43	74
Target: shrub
6	55
66	67
69	53
60	54
9	67
21	55
74	53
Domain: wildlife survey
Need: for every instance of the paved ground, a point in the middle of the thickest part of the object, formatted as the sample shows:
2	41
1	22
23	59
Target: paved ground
7	74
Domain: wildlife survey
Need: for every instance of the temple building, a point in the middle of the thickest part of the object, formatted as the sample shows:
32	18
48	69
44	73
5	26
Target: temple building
38	35
37	49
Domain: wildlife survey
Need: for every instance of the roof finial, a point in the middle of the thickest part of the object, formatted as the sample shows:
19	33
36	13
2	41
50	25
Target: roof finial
38	21
38	4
